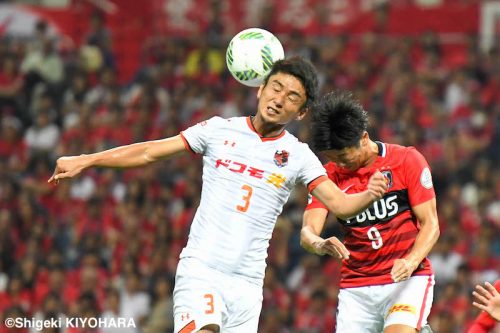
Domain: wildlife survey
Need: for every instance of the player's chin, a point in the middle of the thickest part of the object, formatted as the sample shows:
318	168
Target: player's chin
271	117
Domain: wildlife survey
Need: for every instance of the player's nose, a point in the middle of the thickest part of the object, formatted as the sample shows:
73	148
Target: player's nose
279	100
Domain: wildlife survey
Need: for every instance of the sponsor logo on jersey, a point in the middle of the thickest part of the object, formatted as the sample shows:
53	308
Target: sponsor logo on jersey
401	308
383	210
275	179
281	158
426	178
388	176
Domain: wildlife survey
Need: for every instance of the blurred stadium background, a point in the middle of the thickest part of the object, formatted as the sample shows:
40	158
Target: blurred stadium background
78	76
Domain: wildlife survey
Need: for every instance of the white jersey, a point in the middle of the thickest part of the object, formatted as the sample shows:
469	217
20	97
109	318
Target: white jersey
247	180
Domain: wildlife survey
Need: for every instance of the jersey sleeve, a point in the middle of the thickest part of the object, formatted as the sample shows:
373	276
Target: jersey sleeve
312	170
312	203
196	137
418	178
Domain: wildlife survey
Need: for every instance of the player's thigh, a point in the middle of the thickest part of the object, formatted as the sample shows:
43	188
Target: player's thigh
410	304
358	312
249	324
197	302
244	310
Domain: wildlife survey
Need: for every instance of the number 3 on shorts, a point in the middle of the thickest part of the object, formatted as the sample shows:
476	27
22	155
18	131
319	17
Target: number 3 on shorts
210	303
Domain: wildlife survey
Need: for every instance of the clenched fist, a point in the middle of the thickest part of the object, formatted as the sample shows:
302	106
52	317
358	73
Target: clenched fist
377	185
68	167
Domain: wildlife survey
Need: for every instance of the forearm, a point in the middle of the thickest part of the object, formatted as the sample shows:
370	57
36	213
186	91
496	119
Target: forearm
353	204
309	239
121	157
313	222
346	206
426	238
342	205
136	154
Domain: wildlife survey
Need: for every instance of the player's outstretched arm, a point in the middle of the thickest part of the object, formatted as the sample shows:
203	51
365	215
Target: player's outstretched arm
313	223
128	156
488	299
344	205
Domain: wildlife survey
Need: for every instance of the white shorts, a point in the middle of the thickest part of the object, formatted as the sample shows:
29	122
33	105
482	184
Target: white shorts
371	309
204	296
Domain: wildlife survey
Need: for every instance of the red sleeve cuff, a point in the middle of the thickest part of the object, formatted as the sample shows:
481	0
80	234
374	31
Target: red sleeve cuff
312	185
186	143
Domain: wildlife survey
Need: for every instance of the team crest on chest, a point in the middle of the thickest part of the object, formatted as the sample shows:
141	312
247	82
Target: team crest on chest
281	158
388	175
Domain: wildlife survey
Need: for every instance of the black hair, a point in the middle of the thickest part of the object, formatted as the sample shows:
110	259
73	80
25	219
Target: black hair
339	121
303	70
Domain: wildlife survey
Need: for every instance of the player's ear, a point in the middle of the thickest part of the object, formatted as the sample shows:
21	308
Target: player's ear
302	113
365	138
259	92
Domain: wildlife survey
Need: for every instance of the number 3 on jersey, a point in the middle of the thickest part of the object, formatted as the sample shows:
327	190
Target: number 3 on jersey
376	238
246	198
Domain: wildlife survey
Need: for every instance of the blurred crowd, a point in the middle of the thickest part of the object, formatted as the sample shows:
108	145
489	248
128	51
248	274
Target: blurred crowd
106	244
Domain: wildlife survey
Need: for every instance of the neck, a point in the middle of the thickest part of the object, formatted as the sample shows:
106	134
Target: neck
264	129
371	154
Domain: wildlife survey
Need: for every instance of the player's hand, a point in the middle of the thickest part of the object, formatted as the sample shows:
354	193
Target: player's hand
377	185
67	167
333	247
402	269
487	299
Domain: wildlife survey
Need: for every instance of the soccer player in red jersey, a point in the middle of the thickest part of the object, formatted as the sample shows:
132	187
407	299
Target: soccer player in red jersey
488	300
386	279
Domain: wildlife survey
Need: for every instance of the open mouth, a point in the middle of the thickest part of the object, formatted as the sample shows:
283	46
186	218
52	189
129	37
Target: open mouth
272	112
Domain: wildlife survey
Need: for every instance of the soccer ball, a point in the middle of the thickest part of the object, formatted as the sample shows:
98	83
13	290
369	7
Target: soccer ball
251	54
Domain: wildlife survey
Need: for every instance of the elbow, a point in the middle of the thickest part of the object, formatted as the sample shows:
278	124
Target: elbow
437	232
147	156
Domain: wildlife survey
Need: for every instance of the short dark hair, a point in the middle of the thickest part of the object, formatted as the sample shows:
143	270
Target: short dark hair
339	121
303	70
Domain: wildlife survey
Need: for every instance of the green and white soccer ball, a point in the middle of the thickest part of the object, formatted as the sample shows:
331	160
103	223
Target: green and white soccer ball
251	55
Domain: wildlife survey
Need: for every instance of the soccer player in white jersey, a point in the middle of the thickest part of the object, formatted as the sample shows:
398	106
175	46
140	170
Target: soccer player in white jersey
250	166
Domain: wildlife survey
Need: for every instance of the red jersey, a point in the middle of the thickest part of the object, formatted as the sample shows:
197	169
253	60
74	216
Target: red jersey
387	230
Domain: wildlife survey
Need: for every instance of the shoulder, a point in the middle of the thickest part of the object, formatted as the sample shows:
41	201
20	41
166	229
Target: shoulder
404	154
219	122
330	167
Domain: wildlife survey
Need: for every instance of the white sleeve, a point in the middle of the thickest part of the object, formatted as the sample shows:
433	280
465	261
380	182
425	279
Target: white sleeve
311	167
198	136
